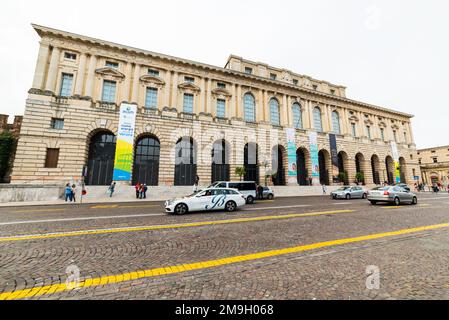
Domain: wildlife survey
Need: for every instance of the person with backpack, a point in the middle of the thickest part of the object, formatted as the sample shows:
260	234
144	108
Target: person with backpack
144	190
111	189
73	192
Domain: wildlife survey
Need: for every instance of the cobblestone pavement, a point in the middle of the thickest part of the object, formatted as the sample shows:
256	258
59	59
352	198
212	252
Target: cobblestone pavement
412	264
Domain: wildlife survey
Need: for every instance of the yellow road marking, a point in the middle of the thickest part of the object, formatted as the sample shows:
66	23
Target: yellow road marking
50	289
392	207
167	226
38	210
110	206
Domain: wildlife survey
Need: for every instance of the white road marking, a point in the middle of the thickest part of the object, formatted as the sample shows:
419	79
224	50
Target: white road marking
80	219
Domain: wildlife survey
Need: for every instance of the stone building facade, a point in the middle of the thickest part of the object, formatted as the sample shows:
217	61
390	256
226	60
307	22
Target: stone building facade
434	163
195	119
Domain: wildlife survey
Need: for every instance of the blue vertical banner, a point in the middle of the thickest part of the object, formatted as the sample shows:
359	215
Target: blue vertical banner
334	156
313	140
291	154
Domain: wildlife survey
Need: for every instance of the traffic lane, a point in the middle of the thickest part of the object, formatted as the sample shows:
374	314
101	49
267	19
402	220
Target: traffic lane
328	279
107	254
128	218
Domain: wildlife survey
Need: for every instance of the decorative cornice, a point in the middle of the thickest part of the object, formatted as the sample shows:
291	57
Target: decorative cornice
221	92
108	71
152	79
189	86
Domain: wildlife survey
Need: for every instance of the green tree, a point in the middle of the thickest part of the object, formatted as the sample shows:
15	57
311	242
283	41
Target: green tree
6	148
359	177
343	177
240	171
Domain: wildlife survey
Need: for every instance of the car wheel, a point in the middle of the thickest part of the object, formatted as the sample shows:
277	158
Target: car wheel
250	200
397	202
348	197
373	202
415	201
270	197
181	209
230	206
364	196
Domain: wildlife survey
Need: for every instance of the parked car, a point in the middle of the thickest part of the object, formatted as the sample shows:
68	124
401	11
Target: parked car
392	194
210	199
247	188
349	192
403	185
268	193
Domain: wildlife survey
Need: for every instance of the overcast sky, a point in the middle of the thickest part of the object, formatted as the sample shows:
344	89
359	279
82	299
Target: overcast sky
388	53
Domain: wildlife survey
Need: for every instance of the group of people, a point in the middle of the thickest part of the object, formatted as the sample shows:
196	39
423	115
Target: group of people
435	187
70	192
141	190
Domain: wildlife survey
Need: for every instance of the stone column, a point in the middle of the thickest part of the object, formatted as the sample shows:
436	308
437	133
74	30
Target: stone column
289	113
167	88
240	103
41	65
233	108
266	112
53	70
136	80
260	115
80	75
174	93
284	112
346	122
91	76
203	107
305	114
127	85
209	96
311	106
329	118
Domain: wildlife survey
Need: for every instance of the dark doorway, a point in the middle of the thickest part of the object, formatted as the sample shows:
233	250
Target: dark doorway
185	162
277	163
146	161
324	172
389	163
374	168
100	165
301	166
251	159
220	162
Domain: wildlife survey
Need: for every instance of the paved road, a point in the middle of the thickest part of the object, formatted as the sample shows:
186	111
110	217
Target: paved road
289	248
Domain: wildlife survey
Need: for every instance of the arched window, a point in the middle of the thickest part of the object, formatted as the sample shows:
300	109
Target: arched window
274	112
185	162
250	107
335	122
146	161
317	125
101	159
297	116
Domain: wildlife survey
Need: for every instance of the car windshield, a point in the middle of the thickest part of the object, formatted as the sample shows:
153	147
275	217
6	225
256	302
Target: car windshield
343	188
194	194
381	188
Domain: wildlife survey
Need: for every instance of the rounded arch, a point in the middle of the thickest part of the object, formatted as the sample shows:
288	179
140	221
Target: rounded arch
147	151
185	162
389	165
297	115
251	162
101	157
275	114
336	122
249	104
317	121
278	157
343	167
375	168
360	168
220	154
324	160
302	165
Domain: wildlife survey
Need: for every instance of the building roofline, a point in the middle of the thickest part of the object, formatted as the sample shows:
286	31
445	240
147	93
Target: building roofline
434	148
42	31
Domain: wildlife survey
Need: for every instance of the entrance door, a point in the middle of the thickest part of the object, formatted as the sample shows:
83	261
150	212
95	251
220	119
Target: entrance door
146	161
220	164
185	163
100	164
251	158
301	166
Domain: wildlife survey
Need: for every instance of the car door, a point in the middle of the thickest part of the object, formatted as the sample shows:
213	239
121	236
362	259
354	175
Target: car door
359	191
201	201
218	200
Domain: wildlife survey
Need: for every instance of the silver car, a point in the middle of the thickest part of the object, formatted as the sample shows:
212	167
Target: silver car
349	193
392	194
268	193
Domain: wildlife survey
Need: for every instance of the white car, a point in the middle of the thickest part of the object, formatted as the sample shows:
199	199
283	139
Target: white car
210	199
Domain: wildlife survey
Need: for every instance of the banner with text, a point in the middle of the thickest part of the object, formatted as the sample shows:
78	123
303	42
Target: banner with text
397	170
334	157
291	153
313	141
125	142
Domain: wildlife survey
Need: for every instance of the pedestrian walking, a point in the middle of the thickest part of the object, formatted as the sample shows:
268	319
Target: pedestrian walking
74	192
68	192
260	192
144	190
141	191
310	181
137	187
111	189
324	189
